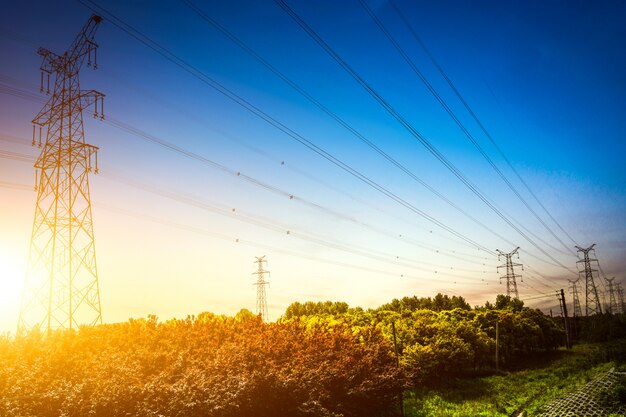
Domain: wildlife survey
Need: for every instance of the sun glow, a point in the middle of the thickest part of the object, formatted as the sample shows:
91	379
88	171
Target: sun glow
12	268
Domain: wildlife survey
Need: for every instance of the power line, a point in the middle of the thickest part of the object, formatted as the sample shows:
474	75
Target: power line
175	148
271	120
457	121
214	207
193	155
272	225
16	156
301	172
540	296
27	158
482	126
239	241
403	122
170	146
268	225
15	186
335	117
258	245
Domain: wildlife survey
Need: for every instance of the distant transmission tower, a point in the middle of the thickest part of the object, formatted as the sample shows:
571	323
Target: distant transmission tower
511	283
620	296
613	309
592	301
61	288
261	300
574	290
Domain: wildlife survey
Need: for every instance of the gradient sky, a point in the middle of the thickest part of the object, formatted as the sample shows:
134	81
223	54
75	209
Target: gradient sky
547	79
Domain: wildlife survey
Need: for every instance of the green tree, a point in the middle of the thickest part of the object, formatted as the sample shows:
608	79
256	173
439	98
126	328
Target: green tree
311	308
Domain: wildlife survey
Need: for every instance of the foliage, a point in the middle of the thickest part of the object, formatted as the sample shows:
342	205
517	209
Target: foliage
438	303
440	340
201	366
311	308
542	380
320	359
600	327
504	302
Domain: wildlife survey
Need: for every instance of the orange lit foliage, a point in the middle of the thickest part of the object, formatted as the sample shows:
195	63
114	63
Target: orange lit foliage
204	366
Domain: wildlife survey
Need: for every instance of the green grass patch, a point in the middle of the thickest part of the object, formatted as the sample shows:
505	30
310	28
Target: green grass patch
528	387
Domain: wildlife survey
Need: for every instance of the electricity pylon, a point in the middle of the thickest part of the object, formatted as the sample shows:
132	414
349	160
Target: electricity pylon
61	288
261	300
612	307
592	301
620	295
574	290
511	283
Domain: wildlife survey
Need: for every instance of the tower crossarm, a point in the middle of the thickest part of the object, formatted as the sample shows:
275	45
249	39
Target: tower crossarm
71	61
585	250
51	61
68	65
80	101
84	43
88	97
52	156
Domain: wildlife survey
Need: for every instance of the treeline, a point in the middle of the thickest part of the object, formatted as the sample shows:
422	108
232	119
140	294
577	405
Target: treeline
443	337
598	328
321	359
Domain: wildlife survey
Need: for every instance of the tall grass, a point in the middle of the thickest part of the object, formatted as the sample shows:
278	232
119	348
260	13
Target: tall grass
531	385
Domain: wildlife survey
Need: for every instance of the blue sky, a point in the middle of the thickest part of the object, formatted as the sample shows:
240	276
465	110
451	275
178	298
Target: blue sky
546	79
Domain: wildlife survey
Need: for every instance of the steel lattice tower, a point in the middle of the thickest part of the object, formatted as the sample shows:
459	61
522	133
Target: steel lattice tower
612	307
620	295
592	301
511	283
261	300
574	290
61	288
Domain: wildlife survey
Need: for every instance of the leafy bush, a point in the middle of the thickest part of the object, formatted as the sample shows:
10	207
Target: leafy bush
201	366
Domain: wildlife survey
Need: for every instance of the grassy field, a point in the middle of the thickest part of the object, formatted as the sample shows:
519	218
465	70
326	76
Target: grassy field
539	381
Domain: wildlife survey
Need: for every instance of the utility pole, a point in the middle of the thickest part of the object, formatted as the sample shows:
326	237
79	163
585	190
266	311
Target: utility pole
61	288
568	338
574	291
261	300
612	300
395	348
592	301
497	343
577	310
511	284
